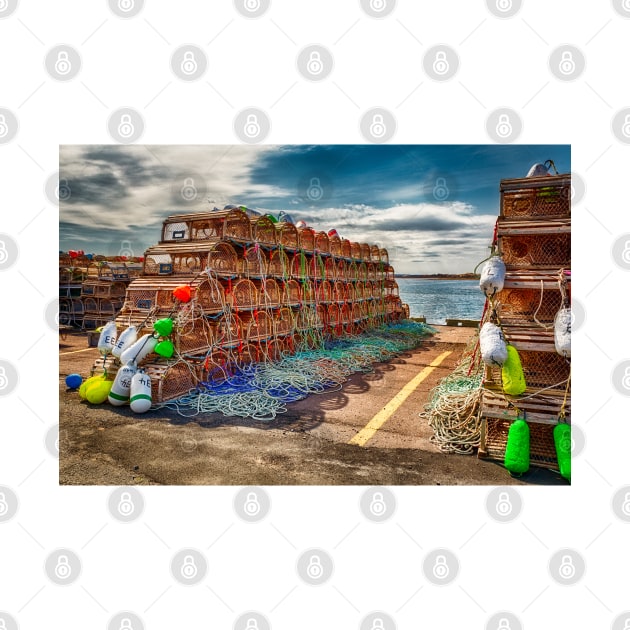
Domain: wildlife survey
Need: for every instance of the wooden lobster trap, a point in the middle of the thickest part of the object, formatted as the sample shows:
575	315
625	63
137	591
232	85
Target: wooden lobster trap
342	269
321	316
270	293
339	291
547	196
299	265
356	312
287	235
371	271
207	227
360	291
375	254
193	337
334	315
254	262
351	294
346	248
362	272
175	229
355	251
306	239
237	226
284	321
245	294
170	380
226	330
217	367
256	325
157	263
391	289
384	256
306	318
279	265
389	273
264	231
323	291
352	271
322	243
223	260
248	353
291	293
405	311
366	252
335	245
316	267
330	268
308	292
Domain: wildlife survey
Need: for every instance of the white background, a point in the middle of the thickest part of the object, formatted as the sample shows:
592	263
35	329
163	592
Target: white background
251	62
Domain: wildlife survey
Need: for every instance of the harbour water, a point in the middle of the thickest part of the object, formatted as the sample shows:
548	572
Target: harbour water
438	299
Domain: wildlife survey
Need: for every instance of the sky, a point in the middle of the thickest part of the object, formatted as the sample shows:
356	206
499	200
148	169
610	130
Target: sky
432	206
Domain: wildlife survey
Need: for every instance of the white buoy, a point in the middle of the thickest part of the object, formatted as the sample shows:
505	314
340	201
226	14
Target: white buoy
492	276
107	338
492	345
140	400
124	340
119	393
139	350
562	332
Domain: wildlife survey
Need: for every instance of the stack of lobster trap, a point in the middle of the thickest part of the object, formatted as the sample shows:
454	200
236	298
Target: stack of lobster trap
259	290
534	240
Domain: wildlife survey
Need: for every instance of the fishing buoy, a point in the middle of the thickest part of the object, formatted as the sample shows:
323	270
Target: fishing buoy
517	448
512	374
562	332
300	224
88	382
333	232
562	441
182	293
140	400
107	338
119	393
97	392
165	348
284	217
73	381
492	276
538	170
139	350
163	327
124	340
492	345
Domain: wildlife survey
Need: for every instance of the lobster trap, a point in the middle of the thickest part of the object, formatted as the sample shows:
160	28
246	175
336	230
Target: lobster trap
291	294
256	325
287	235
322	243
306	238
193	337
254	262
284	321
264	231
335	245
245	294
279	265
270	293
237	226
346	248
171	380
223	260
546	196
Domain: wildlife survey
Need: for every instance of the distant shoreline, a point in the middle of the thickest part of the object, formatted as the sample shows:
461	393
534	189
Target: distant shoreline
439	276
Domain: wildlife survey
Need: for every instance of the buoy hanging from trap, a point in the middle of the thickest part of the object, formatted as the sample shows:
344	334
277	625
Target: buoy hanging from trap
107	338
492	276
140	400
139	350
124	340
119	393
492	345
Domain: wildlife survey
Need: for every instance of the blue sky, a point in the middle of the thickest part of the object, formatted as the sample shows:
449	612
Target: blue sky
432	206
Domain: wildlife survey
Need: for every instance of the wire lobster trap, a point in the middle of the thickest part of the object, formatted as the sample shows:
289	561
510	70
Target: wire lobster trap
321	316
384	256
226	330
208	228
375	254
264	231
287	235
371	271
545	196
362	272
174	230
355	250
340	293
316	267
284	321
188	263
256	325
346	248
193	337
299	265
157	264
223	260
254	262
306	239
245	294
308	292
536	250
526	306
366	252
322	243
342	269
237	226
306	318
291	293
323	291
279	265
218	367
330	268
391	289
335	244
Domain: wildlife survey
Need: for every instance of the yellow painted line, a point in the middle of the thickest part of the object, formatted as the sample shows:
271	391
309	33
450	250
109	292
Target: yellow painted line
75	351
368	431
